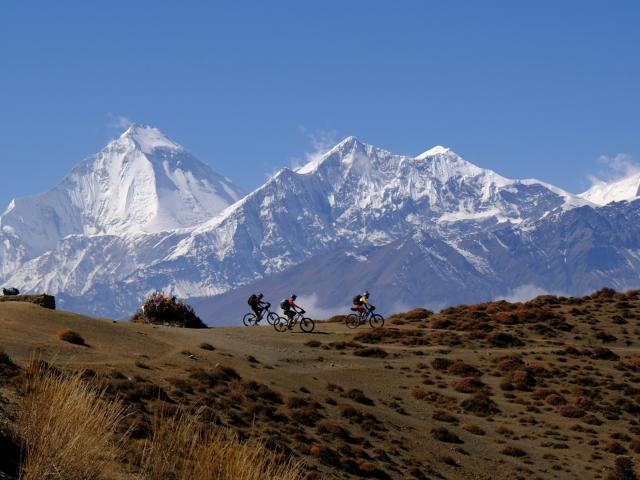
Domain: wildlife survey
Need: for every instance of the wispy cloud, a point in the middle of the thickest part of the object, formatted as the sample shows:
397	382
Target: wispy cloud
118	122
525	293
311	303
615	168
321	141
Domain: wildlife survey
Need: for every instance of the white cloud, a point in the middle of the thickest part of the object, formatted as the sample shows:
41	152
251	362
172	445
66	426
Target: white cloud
523	293
311	304
118	122
321	142
618	167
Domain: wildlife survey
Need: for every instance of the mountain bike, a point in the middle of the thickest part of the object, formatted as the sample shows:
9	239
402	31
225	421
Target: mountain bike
306	324
355	320
250	319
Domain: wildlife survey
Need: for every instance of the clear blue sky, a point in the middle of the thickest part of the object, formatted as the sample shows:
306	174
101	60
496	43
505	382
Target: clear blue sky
529	89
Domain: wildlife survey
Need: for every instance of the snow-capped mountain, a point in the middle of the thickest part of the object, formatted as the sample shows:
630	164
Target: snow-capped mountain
142	182
430	229
603	193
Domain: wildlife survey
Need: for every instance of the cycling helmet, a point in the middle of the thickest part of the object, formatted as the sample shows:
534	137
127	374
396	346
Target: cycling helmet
260	296
366	294
294	296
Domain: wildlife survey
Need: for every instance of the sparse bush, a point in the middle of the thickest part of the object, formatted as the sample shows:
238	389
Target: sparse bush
444	435
371	352
480	404
476	430
359	396
160	309
469	385
206	346
71	336
622	470
513	452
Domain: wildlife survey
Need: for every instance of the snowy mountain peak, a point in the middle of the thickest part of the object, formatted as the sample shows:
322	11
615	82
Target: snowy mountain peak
603	193
437	150
148	138
142	182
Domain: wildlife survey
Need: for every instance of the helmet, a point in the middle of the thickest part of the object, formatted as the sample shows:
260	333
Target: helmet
366	294
260	296
294	296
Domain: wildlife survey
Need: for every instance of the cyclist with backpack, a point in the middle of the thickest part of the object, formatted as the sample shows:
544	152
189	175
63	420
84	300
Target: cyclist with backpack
361	304
289	307
257	305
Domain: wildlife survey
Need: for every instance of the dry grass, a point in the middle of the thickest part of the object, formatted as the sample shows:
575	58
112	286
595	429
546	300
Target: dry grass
182	449
67	429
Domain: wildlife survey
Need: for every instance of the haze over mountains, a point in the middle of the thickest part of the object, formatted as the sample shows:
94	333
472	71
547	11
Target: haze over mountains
144	215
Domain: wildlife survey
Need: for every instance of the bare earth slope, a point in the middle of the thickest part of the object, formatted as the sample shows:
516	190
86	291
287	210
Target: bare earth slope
546	389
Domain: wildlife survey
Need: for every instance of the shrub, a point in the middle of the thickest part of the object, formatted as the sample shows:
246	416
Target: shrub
359	396
622	470
160	309
503	340
513	452
468	385
71	337
206	346
480	404
444	435
371	352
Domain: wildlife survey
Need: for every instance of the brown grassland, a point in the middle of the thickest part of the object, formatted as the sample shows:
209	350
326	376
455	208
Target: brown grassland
538	390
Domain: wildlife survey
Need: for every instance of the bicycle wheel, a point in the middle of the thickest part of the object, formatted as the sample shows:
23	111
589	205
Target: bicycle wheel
376	321
281	324
272	318
307	325
352	320
249	320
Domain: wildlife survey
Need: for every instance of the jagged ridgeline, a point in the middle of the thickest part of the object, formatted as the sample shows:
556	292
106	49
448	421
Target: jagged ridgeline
433	230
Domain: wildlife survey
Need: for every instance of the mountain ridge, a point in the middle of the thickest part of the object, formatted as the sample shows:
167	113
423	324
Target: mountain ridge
355	196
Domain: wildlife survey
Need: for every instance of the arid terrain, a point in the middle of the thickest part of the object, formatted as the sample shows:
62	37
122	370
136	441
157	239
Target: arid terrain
538	390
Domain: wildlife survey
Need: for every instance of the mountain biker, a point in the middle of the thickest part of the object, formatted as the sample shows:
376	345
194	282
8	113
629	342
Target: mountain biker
257	305
289	307
361	304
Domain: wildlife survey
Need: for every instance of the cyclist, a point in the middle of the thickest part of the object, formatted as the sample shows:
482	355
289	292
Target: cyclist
289	307
361	304
257	305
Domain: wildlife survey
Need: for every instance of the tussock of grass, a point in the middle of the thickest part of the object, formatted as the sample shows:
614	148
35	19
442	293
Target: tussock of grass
67	428
182	449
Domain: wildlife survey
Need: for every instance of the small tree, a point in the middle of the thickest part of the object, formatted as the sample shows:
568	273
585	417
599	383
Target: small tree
161	309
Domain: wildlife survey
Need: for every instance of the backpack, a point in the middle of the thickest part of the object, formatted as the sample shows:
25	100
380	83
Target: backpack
253	299
357	300
285	304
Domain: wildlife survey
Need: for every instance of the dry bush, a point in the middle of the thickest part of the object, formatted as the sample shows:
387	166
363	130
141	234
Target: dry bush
160	309
67	428
469	384
71	337
513	452
182	448
480	404
623	470
206	346
445	435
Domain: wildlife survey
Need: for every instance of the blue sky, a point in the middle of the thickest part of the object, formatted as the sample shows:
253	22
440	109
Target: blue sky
529	89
